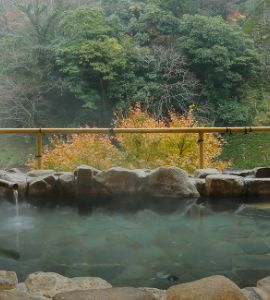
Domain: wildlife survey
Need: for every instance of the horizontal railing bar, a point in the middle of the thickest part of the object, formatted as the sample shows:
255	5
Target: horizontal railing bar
134	130
196	130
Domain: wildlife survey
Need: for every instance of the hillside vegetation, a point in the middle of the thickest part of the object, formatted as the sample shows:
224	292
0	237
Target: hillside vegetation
68	63
76	63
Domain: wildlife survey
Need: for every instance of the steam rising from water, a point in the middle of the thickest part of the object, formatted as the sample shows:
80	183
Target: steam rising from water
156	246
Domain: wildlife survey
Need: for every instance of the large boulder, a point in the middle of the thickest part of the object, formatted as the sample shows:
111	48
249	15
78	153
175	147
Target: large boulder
50	284
158	294
16	176
8	280
84	174
264	284
40	173
211	288
15	295
120	181
203	173
84	180
169	182
20	293
242	173
257	186
200	185
225	185
67	186
43	186
253	293
107	294
263	172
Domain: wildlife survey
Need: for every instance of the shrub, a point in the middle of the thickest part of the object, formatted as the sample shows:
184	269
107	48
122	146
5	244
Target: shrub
135	150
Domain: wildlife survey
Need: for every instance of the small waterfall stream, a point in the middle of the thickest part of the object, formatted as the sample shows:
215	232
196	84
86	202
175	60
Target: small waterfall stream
16	200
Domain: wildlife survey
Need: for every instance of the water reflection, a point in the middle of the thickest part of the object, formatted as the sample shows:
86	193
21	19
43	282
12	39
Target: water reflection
129	205
137	242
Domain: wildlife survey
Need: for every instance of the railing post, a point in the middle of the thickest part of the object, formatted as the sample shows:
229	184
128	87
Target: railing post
39	149
201	149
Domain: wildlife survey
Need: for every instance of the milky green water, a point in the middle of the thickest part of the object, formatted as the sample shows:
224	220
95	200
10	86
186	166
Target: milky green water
130	245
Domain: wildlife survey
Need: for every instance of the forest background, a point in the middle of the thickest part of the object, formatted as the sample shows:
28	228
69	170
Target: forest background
74	63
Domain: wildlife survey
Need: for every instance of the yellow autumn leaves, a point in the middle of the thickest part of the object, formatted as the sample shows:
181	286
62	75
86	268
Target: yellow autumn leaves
135	150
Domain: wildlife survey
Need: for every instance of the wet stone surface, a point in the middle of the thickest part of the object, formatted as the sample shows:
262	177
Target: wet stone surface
8	280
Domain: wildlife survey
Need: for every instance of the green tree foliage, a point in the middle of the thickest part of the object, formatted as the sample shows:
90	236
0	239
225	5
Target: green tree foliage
90	57
223	58
177	7
156	24
24	62
168	83
257	25
217	7
75	62
104	67
42	15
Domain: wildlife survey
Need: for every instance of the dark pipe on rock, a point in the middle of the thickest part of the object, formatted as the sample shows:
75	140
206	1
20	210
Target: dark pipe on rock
8	185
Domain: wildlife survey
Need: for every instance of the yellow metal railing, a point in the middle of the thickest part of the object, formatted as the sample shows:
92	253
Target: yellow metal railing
39	132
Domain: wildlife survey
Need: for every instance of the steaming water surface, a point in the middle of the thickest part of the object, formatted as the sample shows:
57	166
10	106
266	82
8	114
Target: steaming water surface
146	246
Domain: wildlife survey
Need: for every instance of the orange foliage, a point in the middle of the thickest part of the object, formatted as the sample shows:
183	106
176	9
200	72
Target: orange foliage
66	154
136	150
235	16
